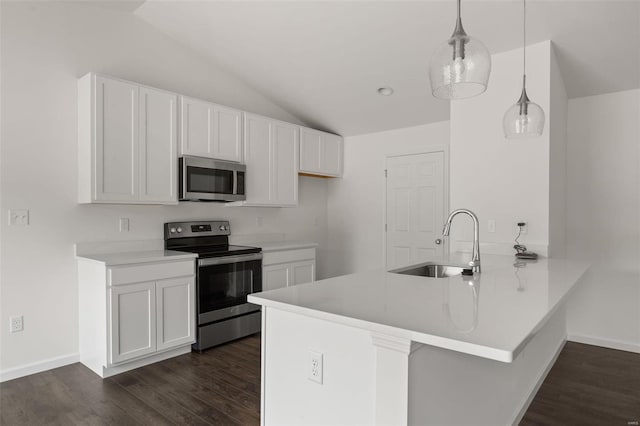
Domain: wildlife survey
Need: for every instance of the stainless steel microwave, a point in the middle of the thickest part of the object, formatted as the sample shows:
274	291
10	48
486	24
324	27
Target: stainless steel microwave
205	179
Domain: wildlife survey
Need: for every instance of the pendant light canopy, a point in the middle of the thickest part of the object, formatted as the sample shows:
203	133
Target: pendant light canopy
461	67
525	118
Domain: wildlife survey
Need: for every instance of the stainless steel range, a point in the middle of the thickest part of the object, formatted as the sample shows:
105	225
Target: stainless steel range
225	275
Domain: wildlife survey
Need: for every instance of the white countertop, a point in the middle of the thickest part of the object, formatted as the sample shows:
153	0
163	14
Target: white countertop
283	245
131	257
492	315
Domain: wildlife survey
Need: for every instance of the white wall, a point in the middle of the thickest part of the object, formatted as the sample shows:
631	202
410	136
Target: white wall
603	211
500	179
557	117
356	202
45	47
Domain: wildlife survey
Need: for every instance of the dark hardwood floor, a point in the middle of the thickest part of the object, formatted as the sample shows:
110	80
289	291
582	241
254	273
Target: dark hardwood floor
587	386
218	387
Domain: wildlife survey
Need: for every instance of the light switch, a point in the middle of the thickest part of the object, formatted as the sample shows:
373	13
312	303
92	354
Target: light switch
124	224
19	217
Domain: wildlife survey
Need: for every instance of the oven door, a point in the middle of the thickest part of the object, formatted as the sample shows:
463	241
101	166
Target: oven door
223	284
211	180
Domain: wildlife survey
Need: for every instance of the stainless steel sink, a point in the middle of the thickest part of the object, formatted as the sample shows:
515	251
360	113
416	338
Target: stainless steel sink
431	270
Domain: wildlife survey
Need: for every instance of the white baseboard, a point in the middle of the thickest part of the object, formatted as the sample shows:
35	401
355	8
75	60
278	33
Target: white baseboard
605	343
37	367
527	402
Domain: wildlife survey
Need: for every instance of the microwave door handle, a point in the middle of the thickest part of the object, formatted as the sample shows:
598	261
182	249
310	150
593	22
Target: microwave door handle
235	182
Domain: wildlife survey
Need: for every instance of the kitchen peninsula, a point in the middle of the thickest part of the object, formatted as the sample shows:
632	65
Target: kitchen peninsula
385	348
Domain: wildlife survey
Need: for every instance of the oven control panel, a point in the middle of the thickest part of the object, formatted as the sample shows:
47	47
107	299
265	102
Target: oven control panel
196	229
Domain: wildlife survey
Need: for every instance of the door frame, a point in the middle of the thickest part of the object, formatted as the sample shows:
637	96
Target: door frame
428	150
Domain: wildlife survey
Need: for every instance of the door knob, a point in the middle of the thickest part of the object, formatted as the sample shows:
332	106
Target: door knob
438	241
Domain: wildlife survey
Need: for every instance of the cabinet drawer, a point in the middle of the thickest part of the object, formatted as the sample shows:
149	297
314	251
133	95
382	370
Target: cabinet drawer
119	275
288	256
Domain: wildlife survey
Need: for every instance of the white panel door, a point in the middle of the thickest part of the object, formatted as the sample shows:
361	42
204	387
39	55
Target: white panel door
415	208
197	127
285	160
133	321
227	133
303	272
276	276
116	139
257	157
175	304
309	150
332	154
158	146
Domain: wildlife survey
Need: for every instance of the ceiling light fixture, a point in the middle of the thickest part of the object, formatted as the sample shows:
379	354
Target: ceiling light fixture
385	91
525	118
461	67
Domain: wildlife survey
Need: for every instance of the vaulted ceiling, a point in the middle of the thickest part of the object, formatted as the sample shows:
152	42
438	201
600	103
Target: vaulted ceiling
324	60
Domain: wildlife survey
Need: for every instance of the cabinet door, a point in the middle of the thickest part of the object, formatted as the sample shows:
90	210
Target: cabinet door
133	321
309	150
276	276
197	128
158	146
331	154
257	154
303	272
175	304
227	133
116	140
284	164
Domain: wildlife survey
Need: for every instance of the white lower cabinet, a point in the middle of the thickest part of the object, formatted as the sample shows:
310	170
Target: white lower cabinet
175	313
136	314
303	272
133	321
288	267
276	276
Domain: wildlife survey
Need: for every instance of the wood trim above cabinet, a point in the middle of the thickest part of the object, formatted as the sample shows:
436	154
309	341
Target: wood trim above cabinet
313	175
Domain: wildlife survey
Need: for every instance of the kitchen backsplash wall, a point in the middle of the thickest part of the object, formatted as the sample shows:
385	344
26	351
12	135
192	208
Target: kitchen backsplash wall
46	46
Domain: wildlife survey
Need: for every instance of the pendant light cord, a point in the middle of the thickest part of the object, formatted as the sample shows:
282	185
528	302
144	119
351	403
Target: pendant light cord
524	43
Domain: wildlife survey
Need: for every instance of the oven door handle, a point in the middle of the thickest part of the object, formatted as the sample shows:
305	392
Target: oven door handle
225	260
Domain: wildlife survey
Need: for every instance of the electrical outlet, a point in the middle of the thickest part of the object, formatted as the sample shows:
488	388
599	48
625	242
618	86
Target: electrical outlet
16	324
124	224
522	227
259	221
315	367
491	225
19	217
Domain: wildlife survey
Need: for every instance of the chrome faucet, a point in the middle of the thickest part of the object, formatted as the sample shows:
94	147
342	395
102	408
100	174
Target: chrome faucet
475	257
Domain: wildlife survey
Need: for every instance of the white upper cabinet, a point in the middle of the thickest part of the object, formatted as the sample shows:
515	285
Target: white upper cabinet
126	143
158	141
116	141
321	153
210	130
271	155
284	151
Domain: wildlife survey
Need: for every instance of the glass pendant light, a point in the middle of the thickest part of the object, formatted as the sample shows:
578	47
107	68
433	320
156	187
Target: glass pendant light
461	67
525	118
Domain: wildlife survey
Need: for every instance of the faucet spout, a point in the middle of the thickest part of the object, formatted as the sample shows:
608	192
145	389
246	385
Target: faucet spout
475	256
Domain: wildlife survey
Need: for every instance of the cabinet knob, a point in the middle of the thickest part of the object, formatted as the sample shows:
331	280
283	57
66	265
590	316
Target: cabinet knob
438	241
